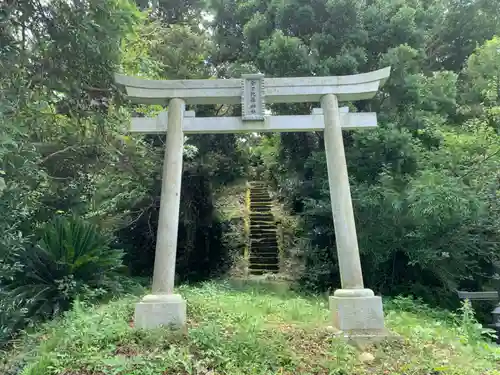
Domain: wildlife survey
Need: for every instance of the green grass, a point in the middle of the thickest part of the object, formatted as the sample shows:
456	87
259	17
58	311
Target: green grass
249	331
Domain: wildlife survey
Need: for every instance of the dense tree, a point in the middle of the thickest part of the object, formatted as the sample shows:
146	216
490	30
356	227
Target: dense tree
423	194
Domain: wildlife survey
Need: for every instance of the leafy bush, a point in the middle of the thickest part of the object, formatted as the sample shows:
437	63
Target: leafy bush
471	331
71	259
426	226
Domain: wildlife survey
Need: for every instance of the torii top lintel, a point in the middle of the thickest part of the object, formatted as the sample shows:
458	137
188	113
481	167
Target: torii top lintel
275	90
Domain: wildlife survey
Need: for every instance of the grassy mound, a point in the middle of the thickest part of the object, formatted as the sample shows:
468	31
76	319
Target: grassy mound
250	331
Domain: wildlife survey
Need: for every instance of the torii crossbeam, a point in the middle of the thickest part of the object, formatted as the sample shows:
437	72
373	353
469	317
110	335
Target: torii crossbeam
299	123
355	309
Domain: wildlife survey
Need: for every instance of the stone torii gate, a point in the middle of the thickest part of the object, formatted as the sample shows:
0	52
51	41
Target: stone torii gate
355	309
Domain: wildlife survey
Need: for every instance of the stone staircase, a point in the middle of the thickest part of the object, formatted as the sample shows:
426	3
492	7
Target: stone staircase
263	251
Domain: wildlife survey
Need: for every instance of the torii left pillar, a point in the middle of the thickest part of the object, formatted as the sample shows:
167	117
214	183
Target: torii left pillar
163	307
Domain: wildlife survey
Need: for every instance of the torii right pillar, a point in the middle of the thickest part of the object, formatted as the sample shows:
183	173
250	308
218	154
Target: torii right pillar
356	311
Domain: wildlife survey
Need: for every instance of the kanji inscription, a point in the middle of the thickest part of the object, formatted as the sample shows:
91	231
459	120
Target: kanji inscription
253	97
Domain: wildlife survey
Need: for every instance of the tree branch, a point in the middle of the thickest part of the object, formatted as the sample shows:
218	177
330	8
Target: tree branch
56	153
475	169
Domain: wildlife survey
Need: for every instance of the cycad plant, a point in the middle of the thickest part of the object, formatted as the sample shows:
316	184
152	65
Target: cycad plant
72	258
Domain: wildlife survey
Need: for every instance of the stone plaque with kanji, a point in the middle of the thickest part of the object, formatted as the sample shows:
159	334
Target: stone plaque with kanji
253	97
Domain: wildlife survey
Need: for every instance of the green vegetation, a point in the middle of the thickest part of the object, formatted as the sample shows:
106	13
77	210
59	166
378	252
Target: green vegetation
71	259
252	331
425	184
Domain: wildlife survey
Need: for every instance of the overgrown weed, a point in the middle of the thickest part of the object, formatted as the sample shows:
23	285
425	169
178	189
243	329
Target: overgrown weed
253	331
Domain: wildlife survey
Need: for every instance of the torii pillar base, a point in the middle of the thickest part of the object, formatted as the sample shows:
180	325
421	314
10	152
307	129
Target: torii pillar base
357	312
157	310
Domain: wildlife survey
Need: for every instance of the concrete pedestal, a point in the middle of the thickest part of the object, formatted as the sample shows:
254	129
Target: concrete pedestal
156	310
357	311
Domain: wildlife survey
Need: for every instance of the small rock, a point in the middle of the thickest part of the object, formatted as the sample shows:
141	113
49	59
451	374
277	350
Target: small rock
366	357
332	329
